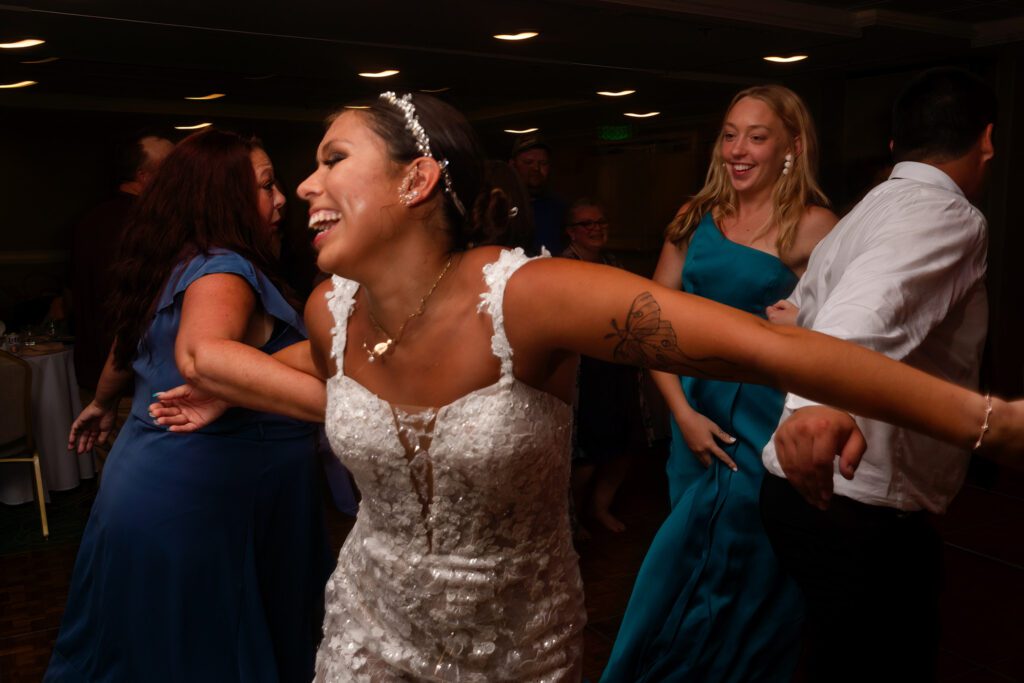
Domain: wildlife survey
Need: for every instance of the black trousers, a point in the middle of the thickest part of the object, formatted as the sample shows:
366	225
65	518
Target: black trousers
871	578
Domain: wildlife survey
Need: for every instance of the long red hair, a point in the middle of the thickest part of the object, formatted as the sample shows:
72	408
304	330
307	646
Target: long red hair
204	196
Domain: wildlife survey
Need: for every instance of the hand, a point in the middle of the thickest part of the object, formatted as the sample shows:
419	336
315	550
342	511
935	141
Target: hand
807	444
186	408
91	427
782	312
700	435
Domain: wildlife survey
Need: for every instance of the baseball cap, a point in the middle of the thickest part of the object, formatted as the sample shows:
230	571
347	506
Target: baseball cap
525	143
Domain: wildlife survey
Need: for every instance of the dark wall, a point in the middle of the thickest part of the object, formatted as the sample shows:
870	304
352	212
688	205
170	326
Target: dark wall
56	165
1004	208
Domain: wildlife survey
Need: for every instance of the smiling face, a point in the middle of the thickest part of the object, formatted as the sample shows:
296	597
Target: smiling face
588	228
754	144
352	194
268	195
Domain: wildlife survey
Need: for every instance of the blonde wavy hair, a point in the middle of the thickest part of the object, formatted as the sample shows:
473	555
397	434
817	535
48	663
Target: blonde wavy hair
793	192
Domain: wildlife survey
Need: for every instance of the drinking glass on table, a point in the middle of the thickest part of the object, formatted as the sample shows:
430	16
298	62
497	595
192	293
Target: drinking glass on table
12	342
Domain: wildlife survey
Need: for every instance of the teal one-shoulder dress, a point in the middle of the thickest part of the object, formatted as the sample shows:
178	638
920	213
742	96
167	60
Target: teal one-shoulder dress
710	602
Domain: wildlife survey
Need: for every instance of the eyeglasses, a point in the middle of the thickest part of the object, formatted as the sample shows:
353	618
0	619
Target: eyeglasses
589	224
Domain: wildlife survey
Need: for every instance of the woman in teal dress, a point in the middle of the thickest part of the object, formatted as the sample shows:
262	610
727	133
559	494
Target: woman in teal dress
205	557
710	602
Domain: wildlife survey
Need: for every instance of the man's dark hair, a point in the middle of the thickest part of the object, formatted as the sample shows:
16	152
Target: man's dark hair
940	115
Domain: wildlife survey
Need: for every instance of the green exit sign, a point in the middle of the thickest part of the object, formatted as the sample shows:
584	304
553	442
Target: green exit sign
613	133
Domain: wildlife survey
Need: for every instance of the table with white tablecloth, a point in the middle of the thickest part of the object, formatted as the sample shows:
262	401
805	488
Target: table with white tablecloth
55	405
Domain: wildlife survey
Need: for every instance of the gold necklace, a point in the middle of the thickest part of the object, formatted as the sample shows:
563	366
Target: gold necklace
381	348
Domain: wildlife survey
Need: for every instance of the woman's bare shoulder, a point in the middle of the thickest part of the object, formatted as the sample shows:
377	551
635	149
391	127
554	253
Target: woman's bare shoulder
816	222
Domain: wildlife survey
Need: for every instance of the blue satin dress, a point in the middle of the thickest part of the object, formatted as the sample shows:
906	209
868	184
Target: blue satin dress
710	602
205	556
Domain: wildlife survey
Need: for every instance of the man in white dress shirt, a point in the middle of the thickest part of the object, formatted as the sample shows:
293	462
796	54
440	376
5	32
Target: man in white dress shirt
902	274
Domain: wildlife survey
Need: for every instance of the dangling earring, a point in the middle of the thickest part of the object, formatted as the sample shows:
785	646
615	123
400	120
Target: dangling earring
405	194
789	164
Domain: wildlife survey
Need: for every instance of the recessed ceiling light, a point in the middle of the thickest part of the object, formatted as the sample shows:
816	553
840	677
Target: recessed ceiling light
195	127
46	60
19	84
434	90
615	93
28	42
356	106
522	35
521	131
379	74
646	115
211	96
786	60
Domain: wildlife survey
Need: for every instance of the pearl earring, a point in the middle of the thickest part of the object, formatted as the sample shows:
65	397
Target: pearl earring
789	164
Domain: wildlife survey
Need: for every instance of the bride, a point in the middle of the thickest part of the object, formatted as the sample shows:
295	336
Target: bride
448	373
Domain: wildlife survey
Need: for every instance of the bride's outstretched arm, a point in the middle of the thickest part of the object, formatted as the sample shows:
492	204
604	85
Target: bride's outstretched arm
186	408
613	315
216	363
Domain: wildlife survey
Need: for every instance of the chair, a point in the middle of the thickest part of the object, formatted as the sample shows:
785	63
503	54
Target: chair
16	442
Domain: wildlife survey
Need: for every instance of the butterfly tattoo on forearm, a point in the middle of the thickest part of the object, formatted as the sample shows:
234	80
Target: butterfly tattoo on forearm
648	341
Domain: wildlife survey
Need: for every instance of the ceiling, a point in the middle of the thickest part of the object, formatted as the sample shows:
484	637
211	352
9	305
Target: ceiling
298	60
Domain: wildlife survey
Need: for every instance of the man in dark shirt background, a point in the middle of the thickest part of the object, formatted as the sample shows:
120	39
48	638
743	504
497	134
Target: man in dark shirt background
95	243
531	159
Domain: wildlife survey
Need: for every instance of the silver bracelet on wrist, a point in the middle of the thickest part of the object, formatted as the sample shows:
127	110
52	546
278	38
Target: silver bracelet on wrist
985	425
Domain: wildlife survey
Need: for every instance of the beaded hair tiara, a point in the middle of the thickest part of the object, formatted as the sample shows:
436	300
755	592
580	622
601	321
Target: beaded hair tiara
412	124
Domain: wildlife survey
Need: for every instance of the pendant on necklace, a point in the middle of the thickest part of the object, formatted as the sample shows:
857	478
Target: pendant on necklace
378	350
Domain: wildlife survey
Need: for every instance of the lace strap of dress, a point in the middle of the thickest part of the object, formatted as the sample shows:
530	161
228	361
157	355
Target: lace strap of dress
340	301
496	276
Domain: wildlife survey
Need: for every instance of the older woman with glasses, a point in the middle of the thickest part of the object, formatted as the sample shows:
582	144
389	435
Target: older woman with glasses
611	418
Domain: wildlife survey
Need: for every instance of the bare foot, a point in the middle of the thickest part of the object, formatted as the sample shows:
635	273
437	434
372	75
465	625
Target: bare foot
609	521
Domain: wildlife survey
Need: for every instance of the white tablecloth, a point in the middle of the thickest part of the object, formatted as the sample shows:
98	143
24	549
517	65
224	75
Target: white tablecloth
55	405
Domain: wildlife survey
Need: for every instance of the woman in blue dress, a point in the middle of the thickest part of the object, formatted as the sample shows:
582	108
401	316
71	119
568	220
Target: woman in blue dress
710	602
204	558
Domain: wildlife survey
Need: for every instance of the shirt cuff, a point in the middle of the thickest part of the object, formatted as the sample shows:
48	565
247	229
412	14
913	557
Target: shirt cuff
794	402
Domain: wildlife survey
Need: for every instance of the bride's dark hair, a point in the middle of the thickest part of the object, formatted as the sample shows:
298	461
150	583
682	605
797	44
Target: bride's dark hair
204	196
501	213
451	139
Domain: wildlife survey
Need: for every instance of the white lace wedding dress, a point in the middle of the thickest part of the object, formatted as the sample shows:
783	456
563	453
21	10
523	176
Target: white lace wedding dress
460	566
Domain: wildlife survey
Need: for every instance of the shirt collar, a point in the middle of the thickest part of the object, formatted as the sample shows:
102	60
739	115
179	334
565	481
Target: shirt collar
925	173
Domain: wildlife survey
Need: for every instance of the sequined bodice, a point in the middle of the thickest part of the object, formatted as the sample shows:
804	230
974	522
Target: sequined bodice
460	565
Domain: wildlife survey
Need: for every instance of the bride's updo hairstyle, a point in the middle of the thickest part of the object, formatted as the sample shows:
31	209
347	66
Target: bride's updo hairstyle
501	213
451	139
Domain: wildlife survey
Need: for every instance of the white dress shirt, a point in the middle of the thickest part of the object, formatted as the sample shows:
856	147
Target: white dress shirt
903	274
